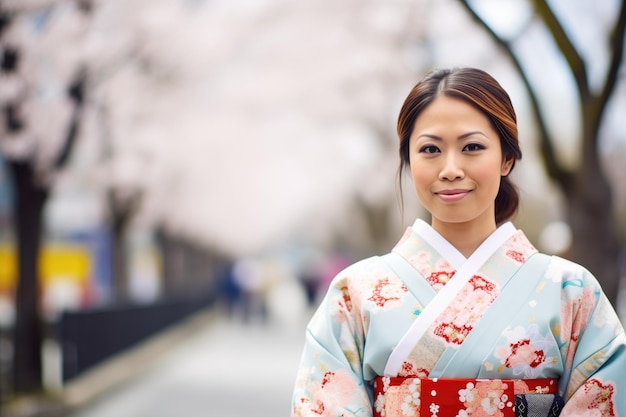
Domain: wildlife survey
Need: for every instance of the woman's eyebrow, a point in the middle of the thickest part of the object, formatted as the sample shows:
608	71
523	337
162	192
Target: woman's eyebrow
468	134
461	137
428	135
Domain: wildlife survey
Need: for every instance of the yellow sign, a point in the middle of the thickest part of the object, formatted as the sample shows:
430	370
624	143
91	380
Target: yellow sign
8	267
57	261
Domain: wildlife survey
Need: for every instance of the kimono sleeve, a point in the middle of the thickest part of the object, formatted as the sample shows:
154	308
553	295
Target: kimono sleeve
595	353
330	378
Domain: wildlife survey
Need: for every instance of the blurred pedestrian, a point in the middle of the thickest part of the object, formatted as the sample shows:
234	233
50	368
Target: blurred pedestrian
335	263
310	278
464	317
229	292
250	278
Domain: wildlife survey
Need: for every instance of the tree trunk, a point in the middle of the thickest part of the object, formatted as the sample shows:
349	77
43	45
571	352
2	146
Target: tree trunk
595	242
120	275
27	337
122	212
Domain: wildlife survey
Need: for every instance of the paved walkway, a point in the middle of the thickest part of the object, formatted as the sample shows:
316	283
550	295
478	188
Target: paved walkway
227	369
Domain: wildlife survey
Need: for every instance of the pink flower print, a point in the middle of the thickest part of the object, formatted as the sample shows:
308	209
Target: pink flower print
452	332
493	403
480	283
398	400
585	305
598	400
439	278
410	370
411	401
345	298
337	389
484	399
575	314
385	292
317	408
467	395
380	401
518	248
458	320
524	353
490	386
603	397
516	256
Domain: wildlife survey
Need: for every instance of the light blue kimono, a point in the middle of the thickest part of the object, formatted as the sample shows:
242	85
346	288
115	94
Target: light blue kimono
425	311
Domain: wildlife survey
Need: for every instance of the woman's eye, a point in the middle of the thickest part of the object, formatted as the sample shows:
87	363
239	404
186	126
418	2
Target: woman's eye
429	149
473	147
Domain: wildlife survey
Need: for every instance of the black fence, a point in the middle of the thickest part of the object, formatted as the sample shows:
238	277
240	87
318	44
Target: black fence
89	337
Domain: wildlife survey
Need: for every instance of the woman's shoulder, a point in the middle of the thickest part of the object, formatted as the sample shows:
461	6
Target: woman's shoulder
569	273
566	265
362	269
362	276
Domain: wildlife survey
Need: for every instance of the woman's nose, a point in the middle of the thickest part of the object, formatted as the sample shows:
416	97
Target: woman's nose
451	169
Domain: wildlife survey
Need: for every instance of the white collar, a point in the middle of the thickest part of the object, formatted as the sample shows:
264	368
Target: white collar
452	254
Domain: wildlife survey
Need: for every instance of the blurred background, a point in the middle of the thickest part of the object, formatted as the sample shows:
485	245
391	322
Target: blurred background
190	174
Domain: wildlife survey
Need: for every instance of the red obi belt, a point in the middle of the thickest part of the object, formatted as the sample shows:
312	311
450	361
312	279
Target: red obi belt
453	397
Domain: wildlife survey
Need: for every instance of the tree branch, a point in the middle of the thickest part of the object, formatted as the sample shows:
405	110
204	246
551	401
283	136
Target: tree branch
551	163
617	52
29	6
77	95
571	55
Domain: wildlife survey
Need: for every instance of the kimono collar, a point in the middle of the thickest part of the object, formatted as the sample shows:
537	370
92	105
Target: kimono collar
452	254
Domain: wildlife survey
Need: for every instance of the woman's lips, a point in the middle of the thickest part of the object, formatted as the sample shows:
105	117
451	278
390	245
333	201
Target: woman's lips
450	196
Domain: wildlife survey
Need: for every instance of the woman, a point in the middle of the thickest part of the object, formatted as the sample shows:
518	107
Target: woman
464	317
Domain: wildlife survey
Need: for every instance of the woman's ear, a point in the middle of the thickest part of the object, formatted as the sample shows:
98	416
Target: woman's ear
507	164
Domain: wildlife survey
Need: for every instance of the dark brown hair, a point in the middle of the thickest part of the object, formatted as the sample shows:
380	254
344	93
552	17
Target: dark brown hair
482	91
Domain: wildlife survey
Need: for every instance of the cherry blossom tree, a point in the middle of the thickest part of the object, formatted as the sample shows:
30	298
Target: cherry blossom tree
268	125
237	125
42	104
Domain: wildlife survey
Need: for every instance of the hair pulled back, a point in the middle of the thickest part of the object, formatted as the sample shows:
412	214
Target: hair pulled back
482	91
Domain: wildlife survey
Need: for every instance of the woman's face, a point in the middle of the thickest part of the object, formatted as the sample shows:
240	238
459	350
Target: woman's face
456	163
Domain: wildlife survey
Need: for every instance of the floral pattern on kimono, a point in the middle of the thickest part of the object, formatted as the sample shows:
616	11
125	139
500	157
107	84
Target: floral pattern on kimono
457	321
562	327
527	351
598	400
